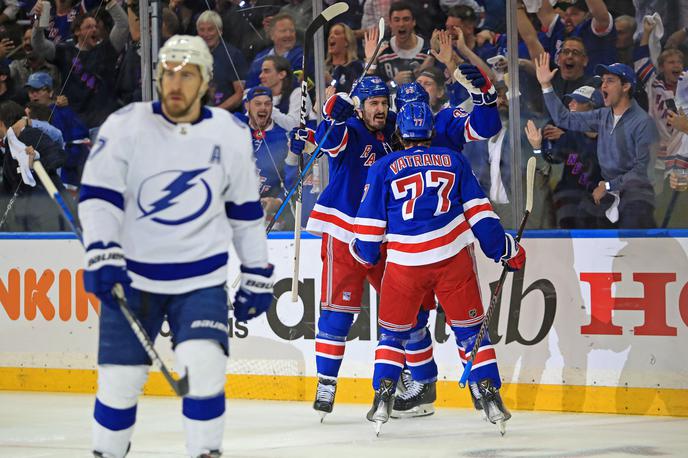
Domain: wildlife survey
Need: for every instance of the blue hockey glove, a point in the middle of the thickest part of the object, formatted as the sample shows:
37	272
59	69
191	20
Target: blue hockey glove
339	107
105	266
477	83
367	253
298	138
514	256
255	293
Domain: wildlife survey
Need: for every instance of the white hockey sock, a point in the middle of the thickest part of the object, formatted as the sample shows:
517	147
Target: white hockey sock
203	435
112	444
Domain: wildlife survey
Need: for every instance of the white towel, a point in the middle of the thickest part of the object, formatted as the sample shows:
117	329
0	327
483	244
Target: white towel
612	212
655	37
682	92
494	148
18	151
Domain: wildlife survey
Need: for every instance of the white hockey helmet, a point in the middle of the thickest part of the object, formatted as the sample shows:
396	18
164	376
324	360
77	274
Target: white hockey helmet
186	49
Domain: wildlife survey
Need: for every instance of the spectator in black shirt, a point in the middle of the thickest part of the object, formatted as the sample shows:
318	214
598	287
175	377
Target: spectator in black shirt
33	209
89	63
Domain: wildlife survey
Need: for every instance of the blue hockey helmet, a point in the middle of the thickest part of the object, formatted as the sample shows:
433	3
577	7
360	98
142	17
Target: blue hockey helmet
410	92
415	121
366	87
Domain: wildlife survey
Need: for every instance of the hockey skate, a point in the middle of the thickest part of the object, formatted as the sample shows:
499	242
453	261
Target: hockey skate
382	404
487	397
324	396
211	454
413	399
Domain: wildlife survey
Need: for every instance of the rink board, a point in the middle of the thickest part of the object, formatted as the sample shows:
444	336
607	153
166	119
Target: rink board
590	325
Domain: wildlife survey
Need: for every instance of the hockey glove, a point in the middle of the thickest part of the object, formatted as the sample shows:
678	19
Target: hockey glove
338	108
477	83
298	139
255	293
514	254
105	266
367	253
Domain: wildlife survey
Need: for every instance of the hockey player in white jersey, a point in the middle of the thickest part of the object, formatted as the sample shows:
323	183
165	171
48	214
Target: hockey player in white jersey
164	187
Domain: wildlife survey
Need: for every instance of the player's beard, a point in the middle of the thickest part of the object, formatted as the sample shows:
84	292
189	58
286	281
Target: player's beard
375	121
176	109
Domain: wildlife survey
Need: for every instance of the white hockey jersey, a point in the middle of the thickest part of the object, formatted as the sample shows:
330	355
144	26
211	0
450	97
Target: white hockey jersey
165	192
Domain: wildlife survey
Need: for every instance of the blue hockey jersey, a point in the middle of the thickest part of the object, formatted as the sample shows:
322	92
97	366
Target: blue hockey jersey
427	204
352	149
454	126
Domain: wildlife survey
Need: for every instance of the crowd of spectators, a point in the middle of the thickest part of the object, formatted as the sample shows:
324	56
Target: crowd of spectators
603	95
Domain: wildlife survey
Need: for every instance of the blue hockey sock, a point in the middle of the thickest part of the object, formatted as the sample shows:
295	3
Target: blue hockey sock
333	327
389	356
485	363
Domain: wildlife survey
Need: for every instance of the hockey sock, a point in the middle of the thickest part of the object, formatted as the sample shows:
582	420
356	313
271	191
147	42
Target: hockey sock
204	407
204	421
389	356
112	429
115	408
485	363
419	357
333	327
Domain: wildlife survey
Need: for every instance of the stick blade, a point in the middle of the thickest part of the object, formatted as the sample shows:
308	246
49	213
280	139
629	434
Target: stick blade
530	182
380	30
335	10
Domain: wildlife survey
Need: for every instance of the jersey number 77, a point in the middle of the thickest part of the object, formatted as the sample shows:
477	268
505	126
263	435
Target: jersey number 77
413	186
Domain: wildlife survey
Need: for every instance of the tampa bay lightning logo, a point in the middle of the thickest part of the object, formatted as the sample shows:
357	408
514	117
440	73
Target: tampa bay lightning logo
174	197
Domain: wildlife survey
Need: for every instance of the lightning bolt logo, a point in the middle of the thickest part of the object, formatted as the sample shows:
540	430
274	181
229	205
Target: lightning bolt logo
174	190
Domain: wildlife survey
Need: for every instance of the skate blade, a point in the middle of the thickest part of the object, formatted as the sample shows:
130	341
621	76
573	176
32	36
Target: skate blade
501	424
378	427
422	410
322	416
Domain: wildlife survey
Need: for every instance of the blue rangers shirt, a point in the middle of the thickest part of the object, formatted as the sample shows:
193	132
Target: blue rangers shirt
427	205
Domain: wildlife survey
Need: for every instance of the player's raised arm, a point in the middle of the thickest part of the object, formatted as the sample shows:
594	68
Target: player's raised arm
483	122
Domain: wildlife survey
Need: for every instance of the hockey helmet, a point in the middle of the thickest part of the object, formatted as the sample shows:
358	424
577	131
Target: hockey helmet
185	49
415	121
410	92
366	87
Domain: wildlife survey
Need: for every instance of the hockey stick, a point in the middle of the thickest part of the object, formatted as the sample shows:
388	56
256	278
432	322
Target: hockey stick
181	386
323	18
318	150
530	179
317	153
56	196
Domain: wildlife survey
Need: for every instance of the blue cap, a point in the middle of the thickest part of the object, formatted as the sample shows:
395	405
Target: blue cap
586	94
39	80
623	71
256	91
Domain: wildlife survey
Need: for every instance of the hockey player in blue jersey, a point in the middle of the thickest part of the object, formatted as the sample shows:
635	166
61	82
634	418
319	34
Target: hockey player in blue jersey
454	126
164	186
353	145
427	205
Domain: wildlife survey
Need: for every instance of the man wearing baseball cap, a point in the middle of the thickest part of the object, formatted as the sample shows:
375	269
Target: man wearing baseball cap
577	152
39	87
269	147
626	138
